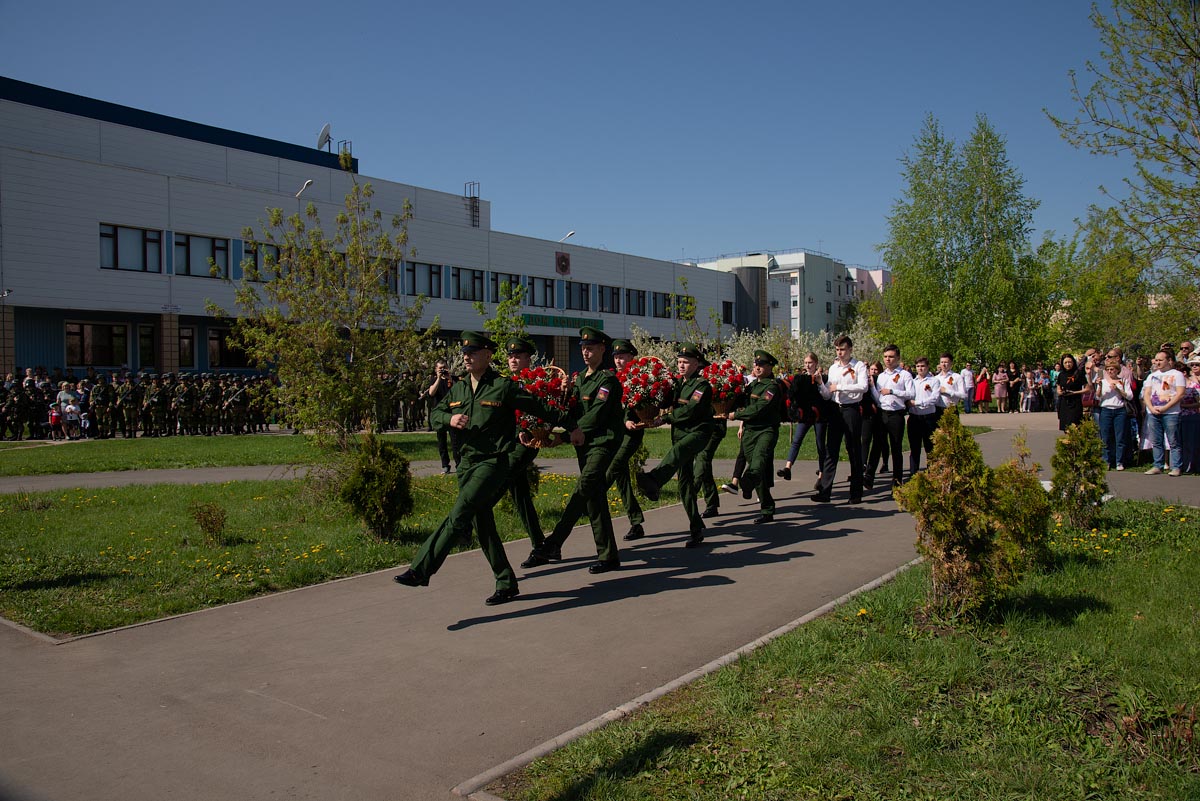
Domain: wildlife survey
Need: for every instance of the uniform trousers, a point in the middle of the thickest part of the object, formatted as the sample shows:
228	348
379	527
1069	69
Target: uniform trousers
920	435
591	496
618	474
685	446
706	484
522	495
844	423
477	484
759	445
889	438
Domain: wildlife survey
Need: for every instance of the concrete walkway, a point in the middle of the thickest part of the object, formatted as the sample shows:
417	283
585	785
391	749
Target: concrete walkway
361	689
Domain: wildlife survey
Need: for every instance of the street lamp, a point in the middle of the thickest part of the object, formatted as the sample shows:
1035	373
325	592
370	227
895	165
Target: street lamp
307	184
568	236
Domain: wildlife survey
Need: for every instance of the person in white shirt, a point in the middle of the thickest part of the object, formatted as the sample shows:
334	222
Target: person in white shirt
1112	392
968	379
953	389
846	385
1160	398
893	389
922	414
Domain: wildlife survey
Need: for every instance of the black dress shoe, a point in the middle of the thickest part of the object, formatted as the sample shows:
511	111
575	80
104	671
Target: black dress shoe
502	596
535	560
709	512
747	491
869	483
635	533
854	499
785	473
821	497
694	541
647	486
758	521
408	578
603	567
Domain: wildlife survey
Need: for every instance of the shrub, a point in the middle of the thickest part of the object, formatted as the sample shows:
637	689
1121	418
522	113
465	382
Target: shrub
1021	509
377	485
1080	475
210	517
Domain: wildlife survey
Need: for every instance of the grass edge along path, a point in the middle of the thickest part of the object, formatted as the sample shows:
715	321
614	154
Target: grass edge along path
1083	686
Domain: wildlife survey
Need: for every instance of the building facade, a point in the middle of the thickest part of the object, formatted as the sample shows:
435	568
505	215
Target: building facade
111	219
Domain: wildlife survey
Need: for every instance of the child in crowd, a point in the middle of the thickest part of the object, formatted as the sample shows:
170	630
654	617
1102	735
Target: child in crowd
70	415
55	421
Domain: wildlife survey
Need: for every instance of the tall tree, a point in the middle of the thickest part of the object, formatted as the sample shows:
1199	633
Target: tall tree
322	311
965	279
1143	101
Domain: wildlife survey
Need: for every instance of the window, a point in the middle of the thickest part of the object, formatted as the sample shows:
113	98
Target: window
610	299
423	279
541	292
202	256
97	345
684	304
391	277
124	248
260	262
727	311
147	347
498	282
829	308
839	290
187	347
221	353
579	296
466	284
829	286
795	303
635	302
661	304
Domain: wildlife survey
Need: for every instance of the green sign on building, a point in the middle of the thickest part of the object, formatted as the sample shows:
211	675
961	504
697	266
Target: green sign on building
555	321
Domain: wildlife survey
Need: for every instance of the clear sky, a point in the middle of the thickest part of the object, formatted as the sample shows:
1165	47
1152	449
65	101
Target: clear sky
663	129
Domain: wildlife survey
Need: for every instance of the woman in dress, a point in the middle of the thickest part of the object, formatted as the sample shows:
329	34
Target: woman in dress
983	388
1000	390
1072	383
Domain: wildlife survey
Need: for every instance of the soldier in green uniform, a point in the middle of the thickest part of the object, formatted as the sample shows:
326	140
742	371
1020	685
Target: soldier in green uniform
210	401
706	483
691	425
482	408
596	421
126	411
618	472
520	356
760	418
150	406
101	403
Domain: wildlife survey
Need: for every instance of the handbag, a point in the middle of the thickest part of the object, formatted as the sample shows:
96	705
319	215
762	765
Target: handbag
1089	399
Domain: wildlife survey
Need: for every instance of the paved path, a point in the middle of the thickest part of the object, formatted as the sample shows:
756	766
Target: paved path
360	689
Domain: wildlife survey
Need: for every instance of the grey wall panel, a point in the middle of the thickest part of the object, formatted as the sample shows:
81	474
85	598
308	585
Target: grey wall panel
213	210
439	243
145	150
41	338
253	170
40	130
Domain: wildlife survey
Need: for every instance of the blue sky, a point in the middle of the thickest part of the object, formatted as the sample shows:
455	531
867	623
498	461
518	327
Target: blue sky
662	129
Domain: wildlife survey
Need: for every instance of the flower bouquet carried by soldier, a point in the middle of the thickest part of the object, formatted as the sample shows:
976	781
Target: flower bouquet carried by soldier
728	385
647	386
551	386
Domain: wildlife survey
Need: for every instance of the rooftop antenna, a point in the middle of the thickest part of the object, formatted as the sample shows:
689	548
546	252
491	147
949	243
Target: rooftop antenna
323	138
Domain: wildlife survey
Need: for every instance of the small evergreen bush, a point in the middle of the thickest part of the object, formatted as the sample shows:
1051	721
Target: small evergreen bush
1080	477
1021	509
210	517
377	485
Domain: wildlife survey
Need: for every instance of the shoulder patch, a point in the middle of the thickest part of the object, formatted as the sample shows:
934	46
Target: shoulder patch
698	394
602	393
770	393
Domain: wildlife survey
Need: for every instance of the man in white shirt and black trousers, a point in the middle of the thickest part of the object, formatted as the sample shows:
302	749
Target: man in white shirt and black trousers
953	390
846	386
893	389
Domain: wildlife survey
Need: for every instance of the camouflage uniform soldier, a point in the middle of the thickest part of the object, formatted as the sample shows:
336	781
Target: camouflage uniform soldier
150	405
103	400
125	413
186	396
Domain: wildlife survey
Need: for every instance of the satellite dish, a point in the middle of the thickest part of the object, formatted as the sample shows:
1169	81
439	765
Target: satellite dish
323	137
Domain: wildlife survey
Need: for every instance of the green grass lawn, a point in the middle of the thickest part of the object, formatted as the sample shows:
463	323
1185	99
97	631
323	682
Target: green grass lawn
1084	686
86	560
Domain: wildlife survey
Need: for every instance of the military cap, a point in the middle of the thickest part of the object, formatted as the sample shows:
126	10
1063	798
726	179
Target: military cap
521	345
624	346
762	357
691	350
593	336
472	341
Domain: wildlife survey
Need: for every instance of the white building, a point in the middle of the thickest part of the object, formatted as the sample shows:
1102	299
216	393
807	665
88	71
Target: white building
109	215
820	288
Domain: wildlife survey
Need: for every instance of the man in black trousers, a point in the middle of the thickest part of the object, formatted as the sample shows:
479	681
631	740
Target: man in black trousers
893	389
846	385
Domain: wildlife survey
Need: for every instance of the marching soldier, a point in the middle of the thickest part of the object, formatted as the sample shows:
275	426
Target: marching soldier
596	421
520	356
691	422
482	408
618	472
760	419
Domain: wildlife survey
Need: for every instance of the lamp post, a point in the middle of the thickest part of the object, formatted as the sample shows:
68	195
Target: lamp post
568	236
4	367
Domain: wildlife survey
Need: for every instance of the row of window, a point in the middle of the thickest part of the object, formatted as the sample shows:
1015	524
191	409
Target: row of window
107	345
137	249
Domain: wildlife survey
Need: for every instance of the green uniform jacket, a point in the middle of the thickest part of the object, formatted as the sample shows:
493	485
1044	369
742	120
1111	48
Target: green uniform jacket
492	426
597	408
693	409
764	405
